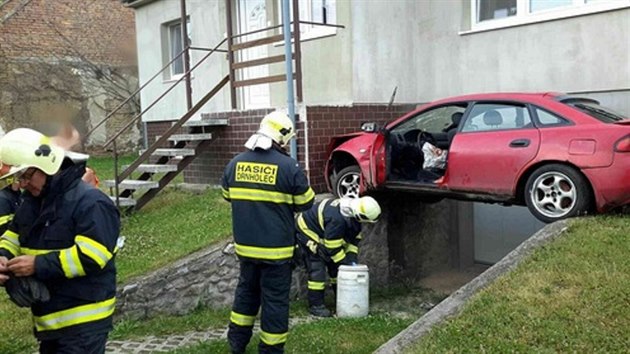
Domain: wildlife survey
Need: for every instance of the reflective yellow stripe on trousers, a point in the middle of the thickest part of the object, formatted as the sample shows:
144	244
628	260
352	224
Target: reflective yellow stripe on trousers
271	253
76	315
242	320
273	338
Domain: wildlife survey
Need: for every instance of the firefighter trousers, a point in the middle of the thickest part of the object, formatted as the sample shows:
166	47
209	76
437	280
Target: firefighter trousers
317	268
265	286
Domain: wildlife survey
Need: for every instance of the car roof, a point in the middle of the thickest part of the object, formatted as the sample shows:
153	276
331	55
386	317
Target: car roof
500	96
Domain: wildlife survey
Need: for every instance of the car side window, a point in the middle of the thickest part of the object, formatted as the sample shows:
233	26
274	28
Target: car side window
549	119
435	120
497	116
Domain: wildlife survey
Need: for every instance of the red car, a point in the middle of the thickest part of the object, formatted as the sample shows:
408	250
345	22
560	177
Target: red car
560	155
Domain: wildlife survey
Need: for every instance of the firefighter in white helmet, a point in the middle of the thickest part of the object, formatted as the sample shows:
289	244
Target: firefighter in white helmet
328	235
64	234
265	187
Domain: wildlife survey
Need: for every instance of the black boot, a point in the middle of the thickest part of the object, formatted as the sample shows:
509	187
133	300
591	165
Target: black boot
319	311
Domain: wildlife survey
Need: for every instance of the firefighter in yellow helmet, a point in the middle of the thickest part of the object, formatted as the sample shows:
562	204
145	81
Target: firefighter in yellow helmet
265	187
328	235
64	234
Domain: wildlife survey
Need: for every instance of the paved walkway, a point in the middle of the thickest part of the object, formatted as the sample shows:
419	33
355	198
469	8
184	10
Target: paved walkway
153	344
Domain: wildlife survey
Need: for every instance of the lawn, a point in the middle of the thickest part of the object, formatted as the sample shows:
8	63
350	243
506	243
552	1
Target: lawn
570	296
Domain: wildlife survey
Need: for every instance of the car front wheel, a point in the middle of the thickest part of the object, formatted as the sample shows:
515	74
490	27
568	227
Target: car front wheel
346	182
554	192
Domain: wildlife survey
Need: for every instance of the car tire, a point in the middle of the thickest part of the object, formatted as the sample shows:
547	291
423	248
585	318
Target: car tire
554	192
346	183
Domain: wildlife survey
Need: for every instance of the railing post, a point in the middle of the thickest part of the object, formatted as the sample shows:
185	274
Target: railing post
116	181
230	41
184	27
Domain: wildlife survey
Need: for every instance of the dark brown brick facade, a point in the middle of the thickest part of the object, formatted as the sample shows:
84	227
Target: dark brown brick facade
101	31
324	122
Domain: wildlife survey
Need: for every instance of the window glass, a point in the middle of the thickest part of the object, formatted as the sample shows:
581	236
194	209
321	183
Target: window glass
433	121
547	118
540	5
176	47
495	9
497	116
319	11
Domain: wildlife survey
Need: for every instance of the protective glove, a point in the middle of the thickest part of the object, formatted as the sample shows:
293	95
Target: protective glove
25	291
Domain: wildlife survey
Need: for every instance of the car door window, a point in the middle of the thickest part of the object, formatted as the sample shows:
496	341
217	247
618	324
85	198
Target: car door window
497	116
432	121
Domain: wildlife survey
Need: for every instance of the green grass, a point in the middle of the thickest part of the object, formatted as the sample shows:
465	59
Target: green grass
104	165
570	296
173	225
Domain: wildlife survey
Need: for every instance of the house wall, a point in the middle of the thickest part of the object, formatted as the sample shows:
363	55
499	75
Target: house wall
420	50
207	27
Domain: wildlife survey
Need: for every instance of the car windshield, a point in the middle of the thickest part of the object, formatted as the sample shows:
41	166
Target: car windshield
597	111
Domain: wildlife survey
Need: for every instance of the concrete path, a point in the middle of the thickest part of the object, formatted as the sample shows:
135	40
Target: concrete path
153	344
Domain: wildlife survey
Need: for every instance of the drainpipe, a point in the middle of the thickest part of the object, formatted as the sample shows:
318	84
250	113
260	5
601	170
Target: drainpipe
286	19
184	27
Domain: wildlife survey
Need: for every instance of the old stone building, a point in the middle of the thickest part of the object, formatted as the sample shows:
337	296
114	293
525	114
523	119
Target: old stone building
67	60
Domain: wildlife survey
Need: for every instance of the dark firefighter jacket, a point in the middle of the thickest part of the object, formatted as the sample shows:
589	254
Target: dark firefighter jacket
323	227
9	201
72	229
265	188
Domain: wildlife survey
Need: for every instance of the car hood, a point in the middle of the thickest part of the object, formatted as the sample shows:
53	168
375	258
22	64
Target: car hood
358	142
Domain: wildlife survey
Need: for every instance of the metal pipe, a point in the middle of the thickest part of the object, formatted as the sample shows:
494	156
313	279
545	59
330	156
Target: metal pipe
185	44
230	42
116	181
289	68
298	50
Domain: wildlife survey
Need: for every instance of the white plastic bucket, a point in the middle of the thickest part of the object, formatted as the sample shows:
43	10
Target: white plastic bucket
353	291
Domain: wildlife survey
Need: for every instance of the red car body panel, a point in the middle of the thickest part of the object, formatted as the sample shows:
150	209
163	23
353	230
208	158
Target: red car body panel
482	162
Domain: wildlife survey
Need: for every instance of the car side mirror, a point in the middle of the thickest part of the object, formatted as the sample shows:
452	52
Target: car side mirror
368	127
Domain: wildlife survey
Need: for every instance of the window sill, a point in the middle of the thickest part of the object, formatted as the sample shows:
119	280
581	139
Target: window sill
546	16
172	79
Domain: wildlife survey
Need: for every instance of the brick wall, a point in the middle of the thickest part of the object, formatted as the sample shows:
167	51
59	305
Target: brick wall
323	123
102	31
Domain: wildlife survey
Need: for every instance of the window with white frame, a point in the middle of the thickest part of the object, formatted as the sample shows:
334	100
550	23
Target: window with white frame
319	11
175	46
489	14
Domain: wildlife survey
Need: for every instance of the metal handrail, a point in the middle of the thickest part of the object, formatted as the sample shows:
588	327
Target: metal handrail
133	95
134	119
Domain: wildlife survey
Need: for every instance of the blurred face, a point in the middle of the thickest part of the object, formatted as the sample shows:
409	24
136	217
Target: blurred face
33	180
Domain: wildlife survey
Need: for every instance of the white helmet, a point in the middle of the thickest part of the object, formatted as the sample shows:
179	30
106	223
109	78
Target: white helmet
278	127
364	209
23	148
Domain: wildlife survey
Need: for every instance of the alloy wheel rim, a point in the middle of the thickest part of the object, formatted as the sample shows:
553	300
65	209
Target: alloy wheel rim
349	185
553	194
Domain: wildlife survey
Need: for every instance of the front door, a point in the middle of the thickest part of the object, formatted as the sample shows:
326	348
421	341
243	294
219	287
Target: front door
253	16
495	143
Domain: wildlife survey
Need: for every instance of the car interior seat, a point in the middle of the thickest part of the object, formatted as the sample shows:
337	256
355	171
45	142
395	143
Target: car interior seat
492	118
451	130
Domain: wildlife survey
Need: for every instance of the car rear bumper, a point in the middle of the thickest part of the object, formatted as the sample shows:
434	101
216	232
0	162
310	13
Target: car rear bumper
611	184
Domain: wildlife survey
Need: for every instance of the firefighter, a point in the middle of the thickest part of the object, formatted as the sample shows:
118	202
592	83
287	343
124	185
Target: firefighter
265	187
9	199
329	235
64	234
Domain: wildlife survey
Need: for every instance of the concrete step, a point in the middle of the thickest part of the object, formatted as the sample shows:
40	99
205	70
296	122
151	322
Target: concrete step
207	122
190	137
173	152
124	202
154	168
131	184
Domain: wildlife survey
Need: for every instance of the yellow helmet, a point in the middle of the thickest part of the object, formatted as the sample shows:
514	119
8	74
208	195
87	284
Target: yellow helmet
365	209
23	148
278	127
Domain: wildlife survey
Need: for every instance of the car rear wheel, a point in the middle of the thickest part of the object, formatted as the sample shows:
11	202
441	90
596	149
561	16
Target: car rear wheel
554	192
346	182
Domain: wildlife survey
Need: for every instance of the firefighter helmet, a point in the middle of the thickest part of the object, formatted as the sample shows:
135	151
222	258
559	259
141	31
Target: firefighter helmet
23	148
278	127
365	209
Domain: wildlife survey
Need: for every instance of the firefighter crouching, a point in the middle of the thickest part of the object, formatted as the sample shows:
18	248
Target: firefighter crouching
64	236
328	235
265	187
